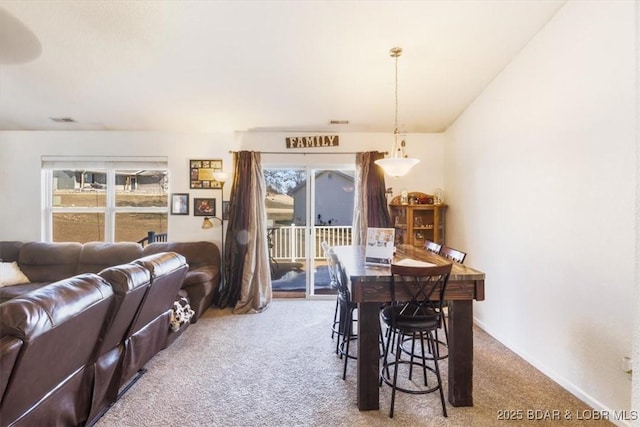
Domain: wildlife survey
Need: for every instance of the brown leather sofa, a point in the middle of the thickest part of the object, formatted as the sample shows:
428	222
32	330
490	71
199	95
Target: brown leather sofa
77	342
130	283
58	327
45	262
203	278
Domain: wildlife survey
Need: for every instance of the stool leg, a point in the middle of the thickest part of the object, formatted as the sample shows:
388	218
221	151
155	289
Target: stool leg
437	369
385	355
395	373
347	337
424	360
341	328
335	319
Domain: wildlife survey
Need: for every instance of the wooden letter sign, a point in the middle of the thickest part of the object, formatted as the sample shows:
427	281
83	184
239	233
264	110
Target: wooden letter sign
312	141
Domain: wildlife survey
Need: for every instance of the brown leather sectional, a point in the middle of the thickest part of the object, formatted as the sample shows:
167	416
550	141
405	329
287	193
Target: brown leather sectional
45	263
68	349
203	278
56	330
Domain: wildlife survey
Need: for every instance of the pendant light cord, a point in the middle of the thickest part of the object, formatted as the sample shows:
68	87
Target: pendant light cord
396	54
398	148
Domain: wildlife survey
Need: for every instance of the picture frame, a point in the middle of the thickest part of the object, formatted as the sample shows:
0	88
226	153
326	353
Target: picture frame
201	174
180	204
225	210
204	206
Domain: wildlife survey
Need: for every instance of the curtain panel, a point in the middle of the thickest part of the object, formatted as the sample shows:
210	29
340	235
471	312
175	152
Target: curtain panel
371	208
247	283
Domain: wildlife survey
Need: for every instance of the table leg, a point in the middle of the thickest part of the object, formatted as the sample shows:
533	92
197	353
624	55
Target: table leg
461	353
368	356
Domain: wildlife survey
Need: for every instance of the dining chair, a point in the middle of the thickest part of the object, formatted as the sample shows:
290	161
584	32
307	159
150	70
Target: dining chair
456	256
417	295
432	246
335	325
346	309
453	254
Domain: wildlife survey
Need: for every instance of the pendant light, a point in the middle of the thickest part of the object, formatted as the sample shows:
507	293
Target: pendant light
397	164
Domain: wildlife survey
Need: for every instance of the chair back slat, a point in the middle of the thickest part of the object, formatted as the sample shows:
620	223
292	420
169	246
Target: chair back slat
453	254
419	290
432	246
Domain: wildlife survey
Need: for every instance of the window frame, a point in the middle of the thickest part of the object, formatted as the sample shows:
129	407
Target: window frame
110	165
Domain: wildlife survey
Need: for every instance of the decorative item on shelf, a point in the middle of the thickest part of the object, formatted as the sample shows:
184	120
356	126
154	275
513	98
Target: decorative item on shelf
419	220
398	163
438	196
404	197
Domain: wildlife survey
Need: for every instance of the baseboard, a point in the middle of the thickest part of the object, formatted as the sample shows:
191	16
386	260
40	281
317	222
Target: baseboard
553	375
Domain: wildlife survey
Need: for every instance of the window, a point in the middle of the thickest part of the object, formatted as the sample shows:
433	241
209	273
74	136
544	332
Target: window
104	199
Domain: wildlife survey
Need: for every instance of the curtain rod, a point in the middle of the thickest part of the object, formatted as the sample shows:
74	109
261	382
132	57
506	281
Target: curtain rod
304	154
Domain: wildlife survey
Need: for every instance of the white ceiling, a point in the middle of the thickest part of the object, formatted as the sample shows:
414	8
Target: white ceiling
221	66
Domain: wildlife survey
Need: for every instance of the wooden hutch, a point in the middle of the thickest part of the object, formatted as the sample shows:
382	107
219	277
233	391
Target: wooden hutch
418	220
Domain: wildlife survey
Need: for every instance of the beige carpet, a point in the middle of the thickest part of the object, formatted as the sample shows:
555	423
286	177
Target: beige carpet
278	368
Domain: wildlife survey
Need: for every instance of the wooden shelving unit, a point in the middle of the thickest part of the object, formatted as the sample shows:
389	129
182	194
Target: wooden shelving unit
419	220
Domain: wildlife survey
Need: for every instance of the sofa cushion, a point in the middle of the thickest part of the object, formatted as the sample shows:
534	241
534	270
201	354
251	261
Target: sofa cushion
201	275
49	262
96	256
10	292
10	274
197	254
202	279
10	250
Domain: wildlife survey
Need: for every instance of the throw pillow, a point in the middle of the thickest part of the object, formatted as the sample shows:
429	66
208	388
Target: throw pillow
181	313
10	274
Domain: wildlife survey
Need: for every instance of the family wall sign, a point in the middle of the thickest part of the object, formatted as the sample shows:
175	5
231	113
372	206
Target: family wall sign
315	141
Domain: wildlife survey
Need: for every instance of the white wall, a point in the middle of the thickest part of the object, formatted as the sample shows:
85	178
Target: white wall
21	152
540	170
425	177
20	181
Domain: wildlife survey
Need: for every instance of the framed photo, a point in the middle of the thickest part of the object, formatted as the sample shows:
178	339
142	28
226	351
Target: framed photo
225	210
180	204
204	207
201	174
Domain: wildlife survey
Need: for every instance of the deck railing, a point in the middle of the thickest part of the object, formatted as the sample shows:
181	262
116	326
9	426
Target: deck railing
290	242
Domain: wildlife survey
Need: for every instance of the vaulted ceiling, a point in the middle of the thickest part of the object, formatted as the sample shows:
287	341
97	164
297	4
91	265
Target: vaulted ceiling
223	66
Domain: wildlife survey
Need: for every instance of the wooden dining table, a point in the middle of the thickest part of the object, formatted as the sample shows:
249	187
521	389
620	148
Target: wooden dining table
371	285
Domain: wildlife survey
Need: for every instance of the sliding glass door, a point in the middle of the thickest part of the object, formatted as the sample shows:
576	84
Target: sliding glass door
286	229
306	206
331	218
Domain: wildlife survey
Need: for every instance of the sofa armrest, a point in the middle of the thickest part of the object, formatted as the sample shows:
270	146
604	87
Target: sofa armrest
199	275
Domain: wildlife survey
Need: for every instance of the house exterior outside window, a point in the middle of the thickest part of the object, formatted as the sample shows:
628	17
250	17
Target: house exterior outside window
111	199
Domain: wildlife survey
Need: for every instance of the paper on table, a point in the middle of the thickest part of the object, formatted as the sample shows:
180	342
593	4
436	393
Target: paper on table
408	262
379	249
